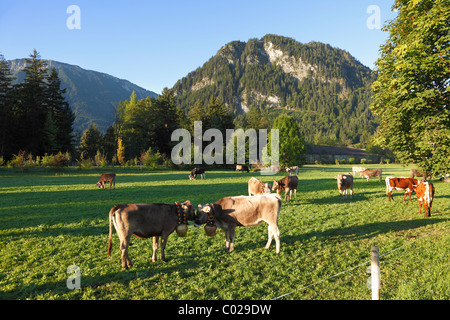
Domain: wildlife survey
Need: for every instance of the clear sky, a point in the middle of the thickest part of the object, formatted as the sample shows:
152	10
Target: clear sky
155	43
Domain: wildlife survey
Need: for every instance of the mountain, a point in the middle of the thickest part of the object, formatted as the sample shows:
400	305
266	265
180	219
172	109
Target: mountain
92	95
324	88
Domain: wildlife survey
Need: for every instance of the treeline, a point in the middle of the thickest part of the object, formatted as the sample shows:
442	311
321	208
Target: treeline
143	128
34	116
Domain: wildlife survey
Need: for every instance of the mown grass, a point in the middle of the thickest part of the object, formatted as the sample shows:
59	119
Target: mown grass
52	220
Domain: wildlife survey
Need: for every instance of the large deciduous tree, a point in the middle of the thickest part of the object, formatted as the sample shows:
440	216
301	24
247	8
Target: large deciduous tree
412	90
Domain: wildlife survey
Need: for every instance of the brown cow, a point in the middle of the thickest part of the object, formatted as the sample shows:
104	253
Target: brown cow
417	173
230	212
344	183
425	195
195	172
145	221
240	167
407	184
292	170
257	187
287	184
371	173
107	177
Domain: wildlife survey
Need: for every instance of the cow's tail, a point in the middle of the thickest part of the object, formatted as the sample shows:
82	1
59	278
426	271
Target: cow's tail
111	217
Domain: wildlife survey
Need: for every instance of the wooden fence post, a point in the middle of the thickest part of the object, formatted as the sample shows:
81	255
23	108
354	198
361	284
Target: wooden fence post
375	272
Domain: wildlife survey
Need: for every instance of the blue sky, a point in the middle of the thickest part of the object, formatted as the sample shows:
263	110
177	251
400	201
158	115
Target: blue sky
155	43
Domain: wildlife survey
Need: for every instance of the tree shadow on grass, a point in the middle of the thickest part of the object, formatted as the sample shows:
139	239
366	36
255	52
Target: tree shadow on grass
366	231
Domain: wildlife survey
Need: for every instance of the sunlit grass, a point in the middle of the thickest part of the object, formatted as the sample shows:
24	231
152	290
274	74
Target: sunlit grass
50	221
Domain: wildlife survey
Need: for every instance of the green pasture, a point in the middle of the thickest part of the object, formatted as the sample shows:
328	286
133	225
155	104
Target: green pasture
52	220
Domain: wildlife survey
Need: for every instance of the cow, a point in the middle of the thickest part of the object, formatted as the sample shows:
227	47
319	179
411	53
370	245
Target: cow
287	184
292	170
345	183
231	212
195	172
425	195
401	183
257	187
240	167
357	169
371	173
145	221
107	177
417	173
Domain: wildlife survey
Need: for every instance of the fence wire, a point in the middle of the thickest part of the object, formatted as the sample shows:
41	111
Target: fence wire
364	263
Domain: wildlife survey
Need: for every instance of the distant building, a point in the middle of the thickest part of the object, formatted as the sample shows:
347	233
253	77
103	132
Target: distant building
329	154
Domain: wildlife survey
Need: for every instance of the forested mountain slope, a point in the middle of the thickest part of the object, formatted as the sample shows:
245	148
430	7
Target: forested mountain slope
324	88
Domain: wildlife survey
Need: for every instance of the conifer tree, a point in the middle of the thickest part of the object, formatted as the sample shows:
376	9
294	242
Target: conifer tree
6	108
60	112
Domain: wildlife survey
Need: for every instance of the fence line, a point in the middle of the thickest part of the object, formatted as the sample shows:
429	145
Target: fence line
359	265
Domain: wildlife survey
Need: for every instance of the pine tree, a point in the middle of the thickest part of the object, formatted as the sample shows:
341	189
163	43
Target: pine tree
59	109
32	107
6	109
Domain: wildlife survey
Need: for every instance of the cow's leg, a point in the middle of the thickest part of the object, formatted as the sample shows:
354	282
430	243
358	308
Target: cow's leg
269	237
126	262
427	210
295	194
351	193
229	233
163	247
155	248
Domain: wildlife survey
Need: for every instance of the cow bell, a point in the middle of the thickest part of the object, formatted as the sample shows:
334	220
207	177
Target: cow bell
210	230
182	230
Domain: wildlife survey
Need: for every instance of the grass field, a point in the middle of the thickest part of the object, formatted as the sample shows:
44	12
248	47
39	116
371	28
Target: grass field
51	220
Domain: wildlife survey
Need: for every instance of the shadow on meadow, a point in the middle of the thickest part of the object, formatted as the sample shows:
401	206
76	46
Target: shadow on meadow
365	231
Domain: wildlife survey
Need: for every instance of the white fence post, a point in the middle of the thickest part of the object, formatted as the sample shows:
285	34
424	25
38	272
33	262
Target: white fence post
375	272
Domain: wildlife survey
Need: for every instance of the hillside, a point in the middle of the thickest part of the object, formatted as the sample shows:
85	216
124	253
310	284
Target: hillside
324	88
92	95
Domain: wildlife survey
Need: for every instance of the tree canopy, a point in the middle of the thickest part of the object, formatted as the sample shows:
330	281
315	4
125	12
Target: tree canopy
412	90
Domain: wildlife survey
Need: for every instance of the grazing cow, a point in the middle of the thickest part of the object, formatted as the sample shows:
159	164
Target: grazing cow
425	195
344	183
145	221
357	169
287	184
107	177
195	172
240	167
230	212
371	173
394	183
292	170
257	187
417	173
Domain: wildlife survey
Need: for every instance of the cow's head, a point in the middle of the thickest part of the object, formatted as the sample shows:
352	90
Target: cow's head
266	187
100	185
188	209
203	212
340	180
278	186
192	177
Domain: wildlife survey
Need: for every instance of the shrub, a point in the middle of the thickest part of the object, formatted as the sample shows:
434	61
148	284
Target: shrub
56	161
149	159
22	160
84	163
100	159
